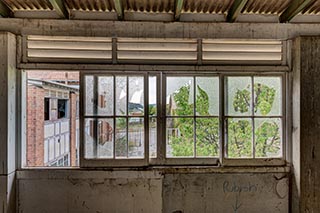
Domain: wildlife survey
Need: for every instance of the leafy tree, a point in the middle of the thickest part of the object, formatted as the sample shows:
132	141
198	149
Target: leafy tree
267	136
207	129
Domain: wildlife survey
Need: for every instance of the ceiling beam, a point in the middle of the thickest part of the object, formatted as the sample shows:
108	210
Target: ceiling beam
60	8
5	11
235	10
295	7
178	9
118	8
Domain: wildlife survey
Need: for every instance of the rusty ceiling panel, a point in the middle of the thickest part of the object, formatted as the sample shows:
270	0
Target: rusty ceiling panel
90	5
149	5
29	4
207	6
266	6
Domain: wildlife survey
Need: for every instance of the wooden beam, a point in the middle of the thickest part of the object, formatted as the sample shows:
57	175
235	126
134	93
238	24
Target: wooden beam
60	8
5	11
295	7
118	8
178	9
235	9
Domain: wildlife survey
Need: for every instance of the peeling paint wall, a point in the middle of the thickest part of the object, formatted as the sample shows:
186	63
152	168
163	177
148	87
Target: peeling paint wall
145	191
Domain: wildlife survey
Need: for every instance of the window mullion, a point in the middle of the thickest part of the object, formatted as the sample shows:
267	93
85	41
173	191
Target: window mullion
95	112
114	116
127	115
222	133
146	116
252	120
194	119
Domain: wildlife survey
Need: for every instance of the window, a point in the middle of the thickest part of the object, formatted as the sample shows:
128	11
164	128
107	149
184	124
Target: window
62	108
46	109
189	119
114	117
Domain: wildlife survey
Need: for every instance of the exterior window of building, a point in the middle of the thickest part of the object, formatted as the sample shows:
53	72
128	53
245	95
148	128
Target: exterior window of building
62	108
205	117
46	109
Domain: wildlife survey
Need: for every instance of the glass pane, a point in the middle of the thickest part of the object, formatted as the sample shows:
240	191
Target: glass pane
121	138
136	137
121	95
207	137
152	95
239	138
136	96
268	137
105	138
238	96
179	136
267	93
179	98
105	96
90	135
153	137
89	99
207	95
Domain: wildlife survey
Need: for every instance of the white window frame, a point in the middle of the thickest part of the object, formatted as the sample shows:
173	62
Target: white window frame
86	162
161	159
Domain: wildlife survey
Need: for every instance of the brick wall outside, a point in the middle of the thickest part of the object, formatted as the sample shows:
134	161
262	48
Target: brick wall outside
35	126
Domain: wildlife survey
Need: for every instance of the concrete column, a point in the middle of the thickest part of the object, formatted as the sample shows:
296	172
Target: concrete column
7	121
306	125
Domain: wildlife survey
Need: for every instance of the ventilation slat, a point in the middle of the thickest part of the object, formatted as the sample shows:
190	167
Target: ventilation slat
69	54
158	46
69	49
241	51
147	55
153	50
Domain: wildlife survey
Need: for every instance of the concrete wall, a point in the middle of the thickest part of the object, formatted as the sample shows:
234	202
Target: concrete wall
306	124
147	191
7	121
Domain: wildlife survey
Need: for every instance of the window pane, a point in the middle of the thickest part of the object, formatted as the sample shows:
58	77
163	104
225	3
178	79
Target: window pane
239	136
152	120
207	95
238	96
105	96
207	137
267	93
179	98
152	95
179	136
268	137
136	137
105	138
153	137
121	138
121	95
89	99
136	96
90	138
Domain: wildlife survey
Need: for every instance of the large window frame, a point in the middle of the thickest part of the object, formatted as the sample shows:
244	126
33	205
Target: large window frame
161	158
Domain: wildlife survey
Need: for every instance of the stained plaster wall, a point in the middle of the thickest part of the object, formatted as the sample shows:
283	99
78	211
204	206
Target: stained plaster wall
147	191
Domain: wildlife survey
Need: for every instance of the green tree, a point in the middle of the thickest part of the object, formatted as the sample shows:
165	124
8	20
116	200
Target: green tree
267	136
207	129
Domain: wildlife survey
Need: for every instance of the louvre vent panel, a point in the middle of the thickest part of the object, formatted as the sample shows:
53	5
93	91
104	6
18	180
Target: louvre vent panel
241	51
153	50
68	49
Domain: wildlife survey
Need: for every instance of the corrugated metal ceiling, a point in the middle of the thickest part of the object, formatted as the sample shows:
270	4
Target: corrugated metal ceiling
193	7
